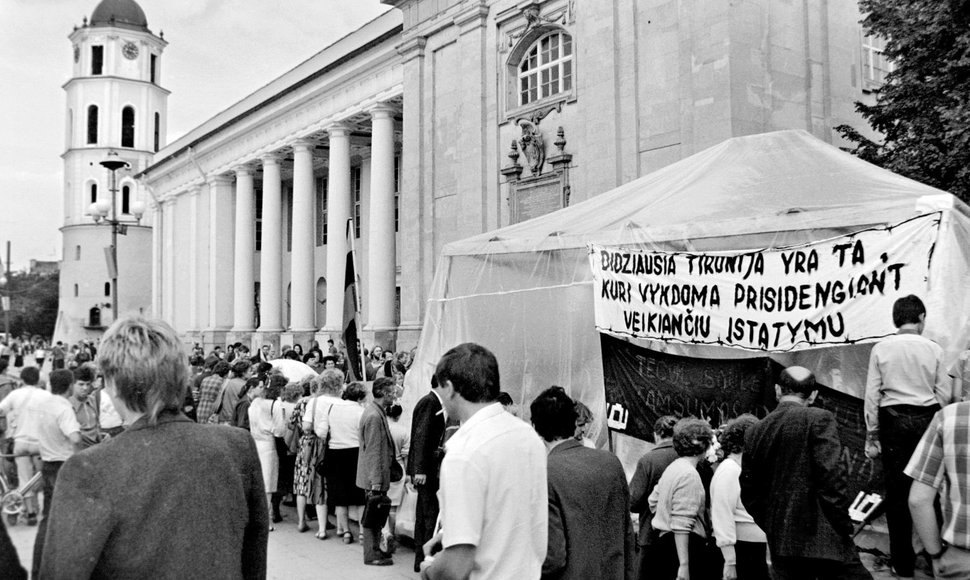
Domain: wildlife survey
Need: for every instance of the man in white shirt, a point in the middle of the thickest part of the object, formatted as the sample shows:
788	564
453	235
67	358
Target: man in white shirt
494	499
24	426
906	385
58	437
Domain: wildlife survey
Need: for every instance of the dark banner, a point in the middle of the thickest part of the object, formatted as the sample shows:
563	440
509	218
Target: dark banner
642	385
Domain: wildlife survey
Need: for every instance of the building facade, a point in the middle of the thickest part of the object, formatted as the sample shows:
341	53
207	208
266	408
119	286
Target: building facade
443	119
115	104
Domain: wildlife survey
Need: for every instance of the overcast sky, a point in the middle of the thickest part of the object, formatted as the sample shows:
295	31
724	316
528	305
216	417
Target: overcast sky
219	51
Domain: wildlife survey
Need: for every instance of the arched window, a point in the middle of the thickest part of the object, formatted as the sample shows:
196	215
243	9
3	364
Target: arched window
94	193
126	199
158	127
94	317
75	290
128	127
107	288
546	68
77	255
92	125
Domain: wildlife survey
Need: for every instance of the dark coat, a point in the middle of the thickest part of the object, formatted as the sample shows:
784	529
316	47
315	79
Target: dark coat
646	476
427	430
793	483
177	500
590	532
376	449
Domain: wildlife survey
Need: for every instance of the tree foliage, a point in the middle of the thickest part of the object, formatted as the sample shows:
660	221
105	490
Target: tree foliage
33	304
923	109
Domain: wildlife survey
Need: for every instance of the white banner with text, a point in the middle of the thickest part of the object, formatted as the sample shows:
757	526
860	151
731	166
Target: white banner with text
836	291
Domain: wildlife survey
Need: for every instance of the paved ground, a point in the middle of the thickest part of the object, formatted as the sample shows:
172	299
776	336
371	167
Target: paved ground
292	556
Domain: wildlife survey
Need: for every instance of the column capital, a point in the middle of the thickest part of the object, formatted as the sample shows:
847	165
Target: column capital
270	158
339	130
412	48
193	190
382	111
305	144
242	170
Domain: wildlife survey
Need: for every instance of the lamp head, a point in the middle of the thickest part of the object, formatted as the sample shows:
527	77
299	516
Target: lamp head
112	162
138	209
104	207
94	212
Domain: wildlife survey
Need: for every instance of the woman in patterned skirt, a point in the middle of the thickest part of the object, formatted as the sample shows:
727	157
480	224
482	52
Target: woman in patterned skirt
306	483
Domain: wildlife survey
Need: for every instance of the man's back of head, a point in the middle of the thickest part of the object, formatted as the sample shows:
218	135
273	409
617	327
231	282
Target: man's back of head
472	370
797	381
30	376
61	381
908	310
553	414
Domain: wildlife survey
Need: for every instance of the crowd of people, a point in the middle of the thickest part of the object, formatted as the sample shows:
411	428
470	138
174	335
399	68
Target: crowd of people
497	497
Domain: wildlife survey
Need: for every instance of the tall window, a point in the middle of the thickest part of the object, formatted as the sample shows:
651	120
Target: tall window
158	130
92	124
322	200
259	223
94	193
152	69
547	68
97	59
355	184
75	290
126	199
77	252
107	288
128	127
397	191
875	65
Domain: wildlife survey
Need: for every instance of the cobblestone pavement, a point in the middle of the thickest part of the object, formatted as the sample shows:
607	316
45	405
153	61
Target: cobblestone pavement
292	556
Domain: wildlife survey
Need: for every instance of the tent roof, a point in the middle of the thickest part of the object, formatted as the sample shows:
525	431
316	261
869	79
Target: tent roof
780	181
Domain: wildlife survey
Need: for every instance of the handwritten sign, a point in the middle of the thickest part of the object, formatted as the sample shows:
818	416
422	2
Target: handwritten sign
837	291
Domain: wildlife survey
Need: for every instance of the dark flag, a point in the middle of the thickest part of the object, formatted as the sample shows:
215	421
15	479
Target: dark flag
355	370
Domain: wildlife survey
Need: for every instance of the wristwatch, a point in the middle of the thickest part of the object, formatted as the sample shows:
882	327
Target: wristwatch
938	555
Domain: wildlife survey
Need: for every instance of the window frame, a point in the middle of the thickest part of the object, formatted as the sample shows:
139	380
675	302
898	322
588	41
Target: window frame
128	128
533	39
97	59
93	118
872	52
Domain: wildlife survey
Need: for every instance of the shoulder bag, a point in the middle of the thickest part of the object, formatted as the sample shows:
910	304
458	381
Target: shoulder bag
322	446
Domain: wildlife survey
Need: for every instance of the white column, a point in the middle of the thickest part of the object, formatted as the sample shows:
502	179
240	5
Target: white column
194	258
168	271
221	271
381	250
244	250
302	279
271	254
338	212
157	257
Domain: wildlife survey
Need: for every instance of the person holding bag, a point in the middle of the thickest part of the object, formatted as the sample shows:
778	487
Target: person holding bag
306	483
374	470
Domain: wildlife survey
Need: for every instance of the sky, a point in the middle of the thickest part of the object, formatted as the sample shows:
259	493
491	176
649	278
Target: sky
219	51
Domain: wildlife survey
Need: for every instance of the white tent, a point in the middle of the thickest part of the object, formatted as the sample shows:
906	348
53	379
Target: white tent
525	291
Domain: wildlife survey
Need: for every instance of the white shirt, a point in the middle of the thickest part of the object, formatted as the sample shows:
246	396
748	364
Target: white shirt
282	411
730	519
13	405
261	421
55	421
905	369
494	495
340	417
108	416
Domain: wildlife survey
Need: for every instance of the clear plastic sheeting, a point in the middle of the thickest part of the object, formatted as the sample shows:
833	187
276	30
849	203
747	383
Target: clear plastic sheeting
525	291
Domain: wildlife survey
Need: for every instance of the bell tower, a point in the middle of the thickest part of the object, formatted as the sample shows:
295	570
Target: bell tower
115	105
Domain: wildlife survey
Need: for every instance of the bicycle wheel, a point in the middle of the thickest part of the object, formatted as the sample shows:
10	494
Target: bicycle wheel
12	503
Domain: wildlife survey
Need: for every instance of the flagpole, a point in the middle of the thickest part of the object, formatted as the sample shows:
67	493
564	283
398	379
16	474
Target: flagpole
353	256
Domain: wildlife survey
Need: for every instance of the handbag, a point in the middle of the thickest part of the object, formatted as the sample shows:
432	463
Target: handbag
397	472
291	437
376	510
322	445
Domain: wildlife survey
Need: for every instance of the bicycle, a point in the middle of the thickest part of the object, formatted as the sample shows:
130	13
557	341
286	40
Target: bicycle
12	501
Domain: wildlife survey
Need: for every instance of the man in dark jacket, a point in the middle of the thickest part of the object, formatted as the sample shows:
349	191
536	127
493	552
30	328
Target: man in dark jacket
424	462
590	532
374	470
794	486
649	469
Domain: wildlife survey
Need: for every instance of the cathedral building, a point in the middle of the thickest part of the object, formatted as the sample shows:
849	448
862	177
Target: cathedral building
442	119
116	107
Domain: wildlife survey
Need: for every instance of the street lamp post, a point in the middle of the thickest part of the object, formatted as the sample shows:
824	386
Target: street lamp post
100	211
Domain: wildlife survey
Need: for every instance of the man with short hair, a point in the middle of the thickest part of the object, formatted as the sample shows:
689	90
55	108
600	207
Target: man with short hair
645	478
210	392
590	532
940	467
57	356
494	497
906	385
424	463
374	470
58	437
793	484
24	426
87	406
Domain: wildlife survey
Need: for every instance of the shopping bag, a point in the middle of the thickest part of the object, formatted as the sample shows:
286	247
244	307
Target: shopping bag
406	512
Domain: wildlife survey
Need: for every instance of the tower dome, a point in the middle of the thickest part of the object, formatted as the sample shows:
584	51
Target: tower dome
124	13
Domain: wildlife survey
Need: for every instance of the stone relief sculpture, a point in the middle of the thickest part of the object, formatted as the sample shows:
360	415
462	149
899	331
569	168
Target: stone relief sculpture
532	146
